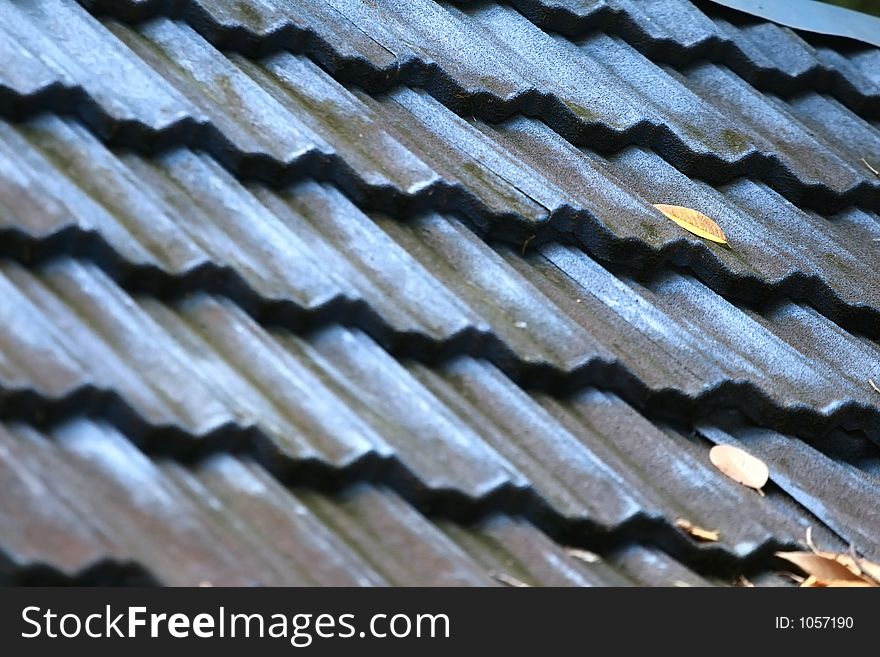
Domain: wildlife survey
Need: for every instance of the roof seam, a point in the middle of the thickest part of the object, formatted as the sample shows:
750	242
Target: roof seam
546	107
608	19
34	406
590	235
435	503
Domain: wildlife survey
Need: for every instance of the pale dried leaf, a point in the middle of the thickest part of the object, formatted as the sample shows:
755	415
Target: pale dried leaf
870	570
694	222
816	583
858	566
822	567
848	561
874	385
740	466
698	532
509	580
862	568
584	555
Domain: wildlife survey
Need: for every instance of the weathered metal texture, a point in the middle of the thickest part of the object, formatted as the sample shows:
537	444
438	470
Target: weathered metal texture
315	245
85	495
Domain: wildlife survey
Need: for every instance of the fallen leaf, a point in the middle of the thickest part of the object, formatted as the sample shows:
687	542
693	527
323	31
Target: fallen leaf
815	583
861	568
819	566
509	580
694	222
740	466
874	385
697	531
584	555
857	565
870	570
873	170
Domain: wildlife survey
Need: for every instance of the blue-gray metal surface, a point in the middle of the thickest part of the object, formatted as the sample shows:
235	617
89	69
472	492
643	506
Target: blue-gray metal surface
398	261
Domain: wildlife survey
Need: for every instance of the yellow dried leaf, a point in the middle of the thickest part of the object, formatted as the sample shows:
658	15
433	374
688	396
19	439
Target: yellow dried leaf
584	555
694	222
740	466
697	531
822	567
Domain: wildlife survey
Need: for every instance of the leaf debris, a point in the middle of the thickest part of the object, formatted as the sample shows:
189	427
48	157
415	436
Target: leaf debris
872	169
509	580
584	555
873	385
740	466
711	535
832	569
694	222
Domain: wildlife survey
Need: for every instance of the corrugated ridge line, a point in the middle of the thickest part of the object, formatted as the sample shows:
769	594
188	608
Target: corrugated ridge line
36	408
707	559
714	50
112	572
568	223
611	20
619	255
105	572
708	167
598	373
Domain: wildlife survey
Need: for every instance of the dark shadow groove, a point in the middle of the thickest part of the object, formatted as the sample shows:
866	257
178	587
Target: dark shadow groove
706	166
568	224
171	442
359	315
559	19
713	50
107	572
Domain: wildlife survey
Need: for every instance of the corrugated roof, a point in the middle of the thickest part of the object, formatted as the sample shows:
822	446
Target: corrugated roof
98	499
399	265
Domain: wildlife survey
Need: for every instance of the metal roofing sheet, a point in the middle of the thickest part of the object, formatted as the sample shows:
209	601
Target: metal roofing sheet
409	151
417	248
338	398
96	498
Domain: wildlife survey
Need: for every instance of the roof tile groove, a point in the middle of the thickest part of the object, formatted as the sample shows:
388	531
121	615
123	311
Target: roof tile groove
583	194
290	289
268	532
338	399
768	56
603	339
704	142
269	535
